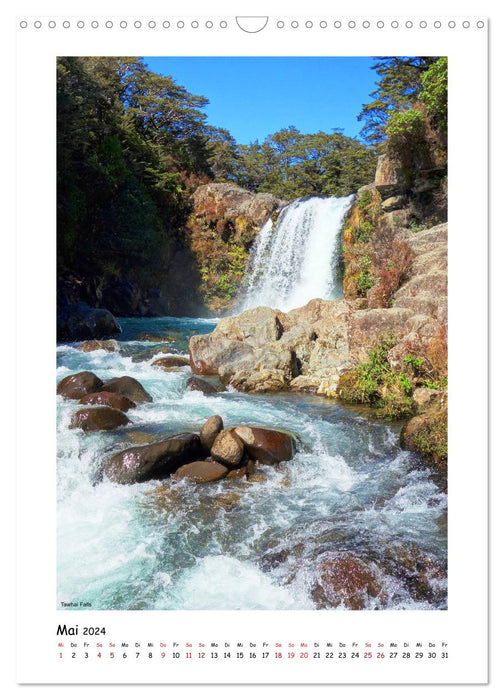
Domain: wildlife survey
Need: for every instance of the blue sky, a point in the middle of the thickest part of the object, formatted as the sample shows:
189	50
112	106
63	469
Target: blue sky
253	97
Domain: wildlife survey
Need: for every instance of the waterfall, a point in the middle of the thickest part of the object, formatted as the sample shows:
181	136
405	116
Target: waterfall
295	258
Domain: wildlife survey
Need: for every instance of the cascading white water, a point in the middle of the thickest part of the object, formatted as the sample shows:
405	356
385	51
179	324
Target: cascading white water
295	258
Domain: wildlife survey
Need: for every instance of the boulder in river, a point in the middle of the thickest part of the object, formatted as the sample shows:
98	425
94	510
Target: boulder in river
75	386
227	448
155	461
98	418
421	573
129	387
347	580
265	445
201	471
92	345
197	384
108	398
83	322
171	361
211	428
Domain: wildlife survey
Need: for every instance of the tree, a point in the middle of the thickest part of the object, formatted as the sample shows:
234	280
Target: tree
398	87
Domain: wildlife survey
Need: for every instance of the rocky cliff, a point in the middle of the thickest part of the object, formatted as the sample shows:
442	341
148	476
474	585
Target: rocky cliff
222	228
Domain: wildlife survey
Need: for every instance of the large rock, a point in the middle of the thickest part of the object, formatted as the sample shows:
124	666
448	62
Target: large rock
129	387
390	178
211	350
227	448
211	428
256	327
125	298
201	472
197	384
98	418
239	205
171	361
75	386
367	328
83	322
268	369
265	445
348	581
108	398
155	461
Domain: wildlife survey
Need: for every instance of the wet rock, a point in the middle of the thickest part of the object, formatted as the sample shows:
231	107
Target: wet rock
98	418
92	345
421	573
108	398
129	387
149	353
155	461
201	472
75	386
237	473
347	580
171	361
265	445
211	428
83	322
197	384
227	448
228	501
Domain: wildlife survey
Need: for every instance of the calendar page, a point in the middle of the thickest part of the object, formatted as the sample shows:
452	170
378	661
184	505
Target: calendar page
259	448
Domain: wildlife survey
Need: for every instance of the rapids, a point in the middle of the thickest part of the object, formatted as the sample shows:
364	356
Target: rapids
232	545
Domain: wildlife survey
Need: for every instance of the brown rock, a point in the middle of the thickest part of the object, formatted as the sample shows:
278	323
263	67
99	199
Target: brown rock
98	418
227	448
201	471
268	369
265	445
211	428
129	387
155	461
107	398
171	361
75	386
390	179
197	384
92	345
256	327
347	580
211	350
237	473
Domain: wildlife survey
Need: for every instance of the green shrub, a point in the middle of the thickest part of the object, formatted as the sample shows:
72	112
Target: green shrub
364	232
376	384
365	199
